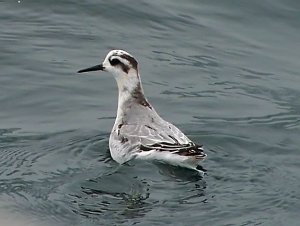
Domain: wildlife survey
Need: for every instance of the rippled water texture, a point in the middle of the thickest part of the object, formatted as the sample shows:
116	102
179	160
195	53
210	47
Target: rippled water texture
225	72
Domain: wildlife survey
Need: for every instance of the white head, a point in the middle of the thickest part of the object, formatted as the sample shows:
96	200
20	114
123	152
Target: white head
118	62
124	67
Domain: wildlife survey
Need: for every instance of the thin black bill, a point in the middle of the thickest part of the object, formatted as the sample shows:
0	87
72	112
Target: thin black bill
94	68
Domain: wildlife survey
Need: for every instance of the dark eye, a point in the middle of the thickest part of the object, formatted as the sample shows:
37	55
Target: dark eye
114	62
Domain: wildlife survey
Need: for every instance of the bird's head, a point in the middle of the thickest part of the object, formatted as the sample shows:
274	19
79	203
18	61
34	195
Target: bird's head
118	62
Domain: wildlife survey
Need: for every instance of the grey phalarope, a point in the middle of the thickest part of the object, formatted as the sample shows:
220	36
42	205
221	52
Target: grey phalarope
139	132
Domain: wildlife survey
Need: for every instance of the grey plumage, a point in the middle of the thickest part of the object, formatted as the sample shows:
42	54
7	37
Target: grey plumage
139	132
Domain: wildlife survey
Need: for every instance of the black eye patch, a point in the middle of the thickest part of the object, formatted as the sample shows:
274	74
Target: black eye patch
114	62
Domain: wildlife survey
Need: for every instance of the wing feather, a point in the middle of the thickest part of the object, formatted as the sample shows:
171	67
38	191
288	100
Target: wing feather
161	138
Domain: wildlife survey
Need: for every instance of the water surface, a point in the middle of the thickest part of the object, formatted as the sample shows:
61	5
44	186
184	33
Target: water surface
226	73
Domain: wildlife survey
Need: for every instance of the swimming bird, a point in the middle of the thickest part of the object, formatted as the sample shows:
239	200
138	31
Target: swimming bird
139	132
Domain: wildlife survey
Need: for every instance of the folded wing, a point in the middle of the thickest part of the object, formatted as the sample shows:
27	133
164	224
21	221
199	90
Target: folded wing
161	137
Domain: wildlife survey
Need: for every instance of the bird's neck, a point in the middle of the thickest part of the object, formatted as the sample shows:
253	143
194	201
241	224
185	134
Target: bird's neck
130	93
